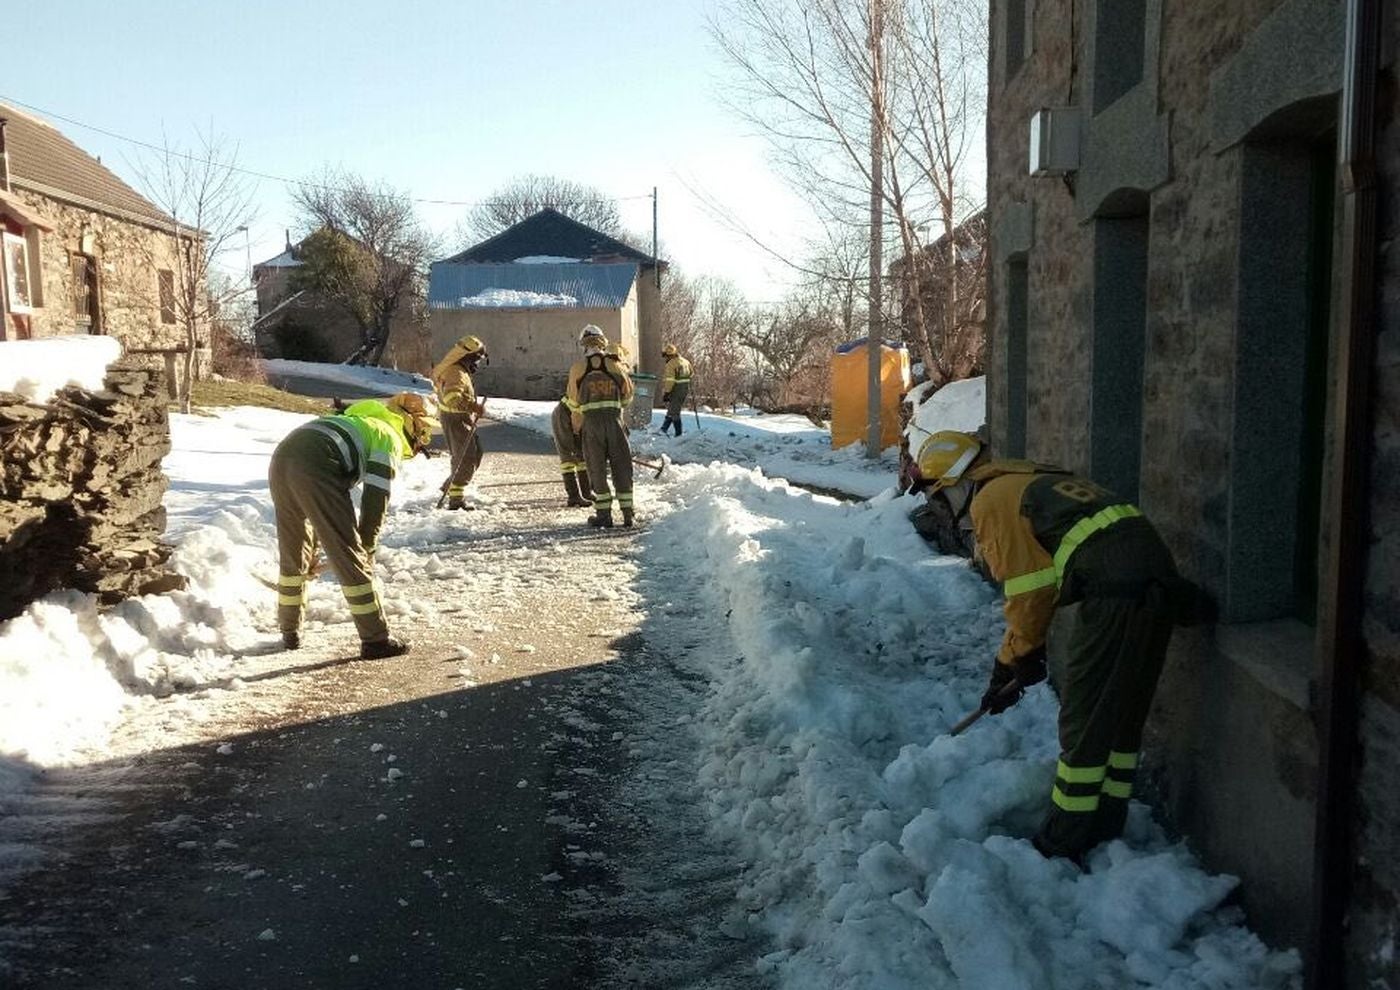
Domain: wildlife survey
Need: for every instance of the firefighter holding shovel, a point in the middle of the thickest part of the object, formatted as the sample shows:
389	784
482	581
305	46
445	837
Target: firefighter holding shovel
312	472
1055	540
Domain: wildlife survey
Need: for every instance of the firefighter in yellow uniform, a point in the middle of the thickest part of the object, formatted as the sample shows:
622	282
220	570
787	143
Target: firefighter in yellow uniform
1054	539
598	390
461	409
675	386
312	472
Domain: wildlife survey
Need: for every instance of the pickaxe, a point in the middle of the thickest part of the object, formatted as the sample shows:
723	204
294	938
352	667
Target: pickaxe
658	466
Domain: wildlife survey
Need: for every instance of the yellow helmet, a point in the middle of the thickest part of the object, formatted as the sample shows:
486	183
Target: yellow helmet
669	351
592	332
419	417
945	457
471	344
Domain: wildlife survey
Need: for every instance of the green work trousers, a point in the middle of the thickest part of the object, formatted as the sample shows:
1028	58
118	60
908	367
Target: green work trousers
464	446
606	450
311	492
568	443
1111	653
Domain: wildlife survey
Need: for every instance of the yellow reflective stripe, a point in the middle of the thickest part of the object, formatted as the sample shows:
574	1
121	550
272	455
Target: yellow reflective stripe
1034	581
365	609
1120	789
1086	528
1080	775
295	600
357	589
291	580
1122	761
1088	802
601	404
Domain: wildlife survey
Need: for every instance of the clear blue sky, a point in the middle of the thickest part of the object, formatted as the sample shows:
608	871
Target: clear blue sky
443	100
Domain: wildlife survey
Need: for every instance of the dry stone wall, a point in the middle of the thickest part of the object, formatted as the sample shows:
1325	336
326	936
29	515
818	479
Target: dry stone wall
80	491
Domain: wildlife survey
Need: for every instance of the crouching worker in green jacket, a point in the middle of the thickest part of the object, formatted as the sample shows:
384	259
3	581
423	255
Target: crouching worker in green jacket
313	470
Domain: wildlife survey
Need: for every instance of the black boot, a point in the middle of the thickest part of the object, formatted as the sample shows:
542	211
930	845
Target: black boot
677	421
575	494
628	517
585	490
601	519
383	649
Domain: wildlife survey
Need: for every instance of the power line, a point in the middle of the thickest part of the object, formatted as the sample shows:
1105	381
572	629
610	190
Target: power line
248	171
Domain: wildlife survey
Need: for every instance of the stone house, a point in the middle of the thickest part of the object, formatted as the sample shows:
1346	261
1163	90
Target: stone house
304	325
529	290
1169	312
83	251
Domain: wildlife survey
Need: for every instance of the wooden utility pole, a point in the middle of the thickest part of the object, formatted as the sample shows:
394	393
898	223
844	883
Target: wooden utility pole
876	13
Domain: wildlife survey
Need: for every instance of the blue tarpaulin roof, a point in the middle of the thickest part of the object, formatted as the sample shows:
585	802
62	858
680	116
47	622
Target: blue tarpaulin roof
594	286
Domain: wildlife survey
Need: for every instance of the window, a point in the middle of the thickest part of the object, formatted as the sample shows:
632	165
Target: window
17	287
1120	338
1120	37
1287	221
167	295
1018	32
1017	323
85	296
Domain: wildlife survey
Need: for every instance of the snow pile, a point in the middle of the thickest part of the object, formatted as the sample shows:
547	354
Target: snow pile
546	259
960	405
36	369
782	445
515	298
882	852
383	380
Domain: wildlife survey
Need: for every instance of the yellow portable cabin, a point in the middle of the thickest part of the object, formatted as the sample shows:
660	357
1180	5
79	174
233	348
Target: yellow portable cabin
849	374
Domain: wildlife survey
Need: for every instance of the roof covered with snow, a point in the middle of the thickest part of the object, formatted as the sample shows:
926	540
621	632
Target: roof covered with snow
590	286
550	233
42	160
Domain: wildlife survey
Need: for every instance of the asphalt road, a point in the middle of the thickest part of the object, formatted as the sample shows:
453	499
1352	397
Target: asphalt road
402	823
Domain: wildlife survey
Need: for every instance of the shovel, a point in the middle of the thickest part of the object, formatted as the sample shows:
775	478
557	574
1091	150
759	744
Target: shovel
1009	688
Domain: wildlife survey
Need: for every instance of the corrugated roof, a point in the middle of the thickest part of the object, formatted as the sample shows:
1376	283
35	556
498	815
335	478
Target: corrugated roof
44	161
594	286
549	232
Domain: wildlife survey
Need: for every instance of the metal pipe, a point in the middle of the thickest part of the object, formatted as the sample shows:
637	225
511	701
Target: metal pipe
4	156
1340	643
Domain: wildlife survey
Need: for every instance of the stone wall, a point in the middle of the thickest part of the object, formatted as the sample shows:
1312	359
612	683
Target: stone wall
1211	149
80	491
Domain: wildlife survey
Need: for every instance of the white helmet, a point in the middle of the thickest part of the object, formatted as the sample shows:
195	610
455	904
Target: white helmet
591	331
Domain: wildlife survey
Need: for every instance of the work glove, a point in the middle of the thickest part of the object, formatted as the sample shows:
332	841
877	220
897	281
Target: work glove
665	396
1024	671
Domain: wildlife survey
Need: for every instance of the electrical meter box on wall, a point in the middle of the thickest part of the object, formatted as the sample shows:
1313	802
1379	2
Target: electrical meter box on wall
1055	141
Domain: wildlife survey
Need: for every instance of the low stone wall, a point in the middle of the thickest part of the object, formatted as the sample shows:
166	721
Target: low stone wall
80	491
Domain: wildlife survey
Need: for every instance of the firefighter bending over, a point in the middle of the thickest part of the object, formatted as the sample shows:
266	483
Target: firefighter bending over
1054	540
310	477
569	444
599	389
461	410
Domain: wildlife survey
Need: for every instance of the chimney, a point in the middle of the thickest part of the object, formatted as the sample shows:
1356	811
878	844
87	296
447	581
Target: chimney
4	157
287	234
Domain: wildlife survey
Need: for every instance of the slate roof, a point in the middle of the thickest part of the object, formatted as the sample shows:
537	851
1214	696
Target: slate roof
595	286
44	161
549	232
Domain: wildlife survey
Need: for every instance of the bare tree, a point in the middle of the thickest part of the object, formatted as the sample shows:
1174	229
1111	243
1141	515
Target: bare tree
809	77
210	202
366	251
526	196
794	342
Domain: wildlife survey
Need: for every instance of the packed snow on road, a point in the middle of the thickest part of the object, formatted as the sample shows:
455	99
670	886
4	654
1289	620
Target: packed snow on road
834	650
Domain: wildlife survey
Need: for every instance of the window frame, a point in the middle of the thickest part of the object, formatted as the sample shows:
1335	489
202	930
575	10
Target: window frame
8	243
162	276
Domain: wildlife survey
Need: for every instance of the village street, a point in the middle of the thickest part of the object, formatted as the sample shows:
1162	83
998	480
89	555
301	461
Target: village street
459	817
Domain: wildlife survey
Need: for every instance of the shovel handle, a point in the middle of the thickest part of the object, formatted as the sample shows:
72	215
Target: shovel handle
1007	689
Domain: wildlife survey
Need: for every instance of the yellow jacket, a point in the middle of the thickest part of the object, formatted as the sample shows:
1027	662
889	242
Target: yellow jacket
1007	543
677	371
454	388
597	382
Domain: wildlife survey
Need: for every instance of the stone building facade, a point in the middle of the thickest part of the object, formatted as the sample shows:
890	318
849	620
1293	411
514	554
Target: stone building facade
1163	315
85	253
